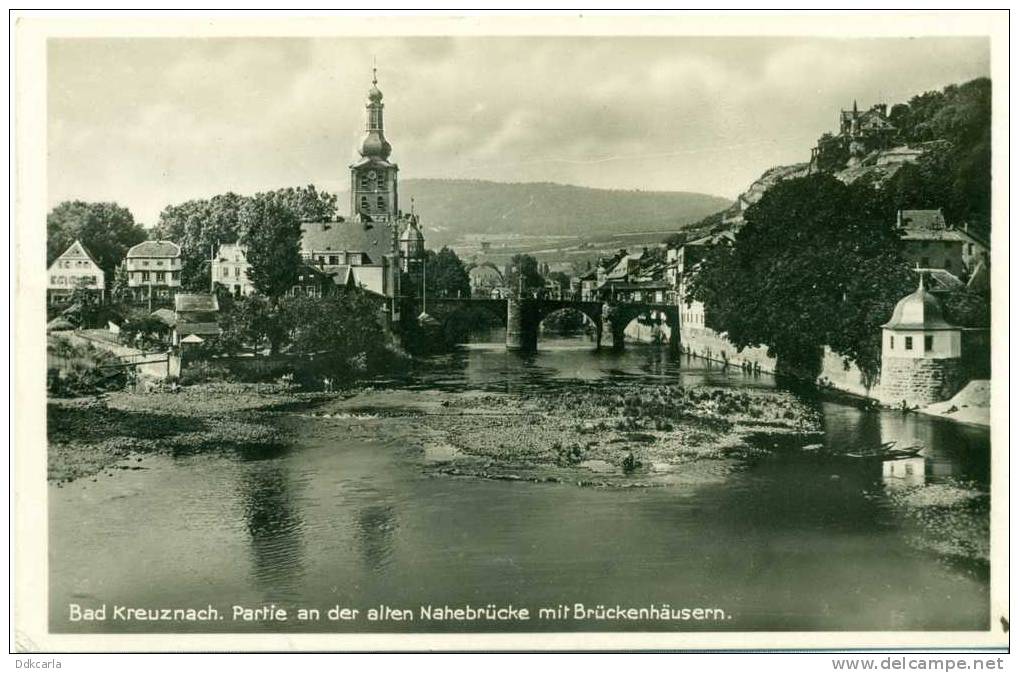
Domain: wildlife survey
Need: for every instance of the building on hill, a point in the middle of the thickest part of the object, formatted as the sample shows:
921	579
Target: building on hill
74	268
859	133
153	270
976	248
929	243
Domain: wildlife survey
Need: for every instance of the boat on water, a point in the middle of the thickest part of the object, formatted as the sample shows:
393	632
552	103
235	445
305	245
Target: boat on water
887	451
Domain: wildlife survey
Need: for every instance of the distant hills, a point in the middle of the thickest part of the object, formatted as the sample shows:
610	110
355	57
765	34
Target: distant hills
450	209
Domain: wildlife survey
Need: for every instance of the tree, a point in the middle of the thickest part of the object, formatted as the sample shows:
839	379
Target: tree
523	274
145	332
252	323
446	275
84	309
339	327
107	230
199	227
816	263
309	204
120	290
271	232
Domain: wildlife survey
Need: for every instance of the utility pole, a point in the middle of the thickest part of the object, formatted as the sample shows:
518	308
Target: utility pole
212	260
424	284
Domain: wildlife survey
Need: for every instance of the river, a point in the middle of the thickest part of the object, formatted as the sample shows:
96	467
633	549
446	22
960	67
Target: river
786	542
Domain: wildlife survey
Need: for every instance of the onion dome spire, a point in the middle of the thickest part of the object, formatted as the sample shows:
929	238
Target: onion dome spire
375	144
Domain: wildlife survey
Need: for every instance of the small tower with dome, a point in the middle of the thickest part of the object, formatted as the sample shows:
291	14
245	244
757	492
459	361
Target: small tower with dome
921	353
412	242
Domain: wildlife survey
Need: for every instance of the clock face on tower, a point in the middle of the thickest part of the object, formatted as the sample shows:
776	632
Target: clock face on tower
371	175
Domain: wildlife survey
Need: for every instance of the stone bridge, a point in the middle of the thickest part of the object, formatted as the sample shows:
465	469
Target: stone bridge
522	317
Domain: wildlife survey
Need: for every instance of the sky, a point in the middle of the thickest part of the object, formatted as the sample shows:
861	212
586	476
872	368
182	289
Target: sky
157	121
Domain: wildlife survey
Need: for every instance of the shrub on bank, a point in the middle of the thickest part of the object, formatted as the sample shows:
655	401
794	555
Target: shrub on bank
76	371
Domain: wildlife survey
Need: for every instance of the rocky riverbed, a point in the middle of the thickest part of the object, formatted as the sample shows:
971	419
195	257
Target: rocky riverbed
629	435
114	430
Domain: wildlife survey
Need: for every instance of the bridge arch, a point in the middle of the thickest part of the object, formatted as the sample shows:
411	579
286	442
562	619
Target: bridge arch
458	322
619	315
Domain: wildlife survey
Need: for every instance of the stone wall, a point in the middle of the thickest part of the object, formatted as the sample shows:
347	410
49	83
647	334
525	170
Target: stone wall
919	382
835	373
708	344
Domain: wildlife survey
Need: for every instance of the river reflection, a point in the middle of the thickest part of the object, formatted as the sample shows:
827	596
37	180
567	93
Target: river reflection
351	516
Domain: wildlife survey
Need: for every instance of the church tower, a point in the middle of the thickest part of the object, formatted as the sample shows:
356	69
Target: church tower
373	195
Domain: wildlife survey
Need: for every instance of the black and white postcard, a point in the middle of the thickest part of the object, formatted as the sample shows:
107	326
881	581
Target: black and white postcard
511	333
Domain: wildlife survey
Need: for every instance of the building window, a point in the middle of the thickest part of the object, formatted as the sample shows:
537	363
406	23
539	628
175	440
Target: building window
381	203
382	181
364	204
364	181
145	276
909	343
891	342
970	248
160	276
928	343
237	272
334	260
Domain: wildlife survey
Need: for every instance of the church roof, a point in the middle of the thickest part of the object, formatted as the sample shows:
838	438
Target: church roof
412	233
920	310
374	239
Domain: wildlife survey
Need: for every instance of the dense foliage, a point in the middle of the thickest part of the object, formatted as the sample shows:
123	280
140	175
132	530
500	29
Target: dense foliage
199	226
271	232
817	262
76	371
337	329
145	333
105	229
524	274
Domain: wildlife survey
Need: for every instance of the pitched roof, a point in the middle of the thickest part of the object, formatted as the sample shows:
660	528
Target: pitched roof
939	280
155	249
341	274
78	251
375	239
932	235
921	219
165	315
195	302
